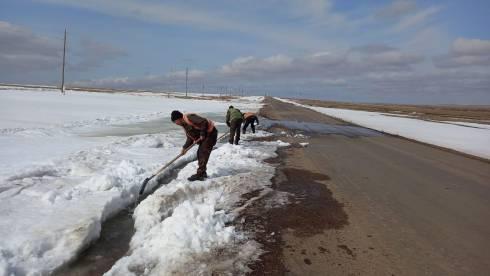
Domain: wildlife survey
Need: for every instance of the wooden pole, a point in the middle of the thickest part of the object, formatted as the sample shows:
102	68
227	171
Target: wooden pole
63	67
186	78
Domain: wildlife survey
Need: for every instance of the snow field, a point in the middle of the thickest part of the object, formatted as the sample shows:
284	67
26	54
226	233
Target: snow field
60	178
473	139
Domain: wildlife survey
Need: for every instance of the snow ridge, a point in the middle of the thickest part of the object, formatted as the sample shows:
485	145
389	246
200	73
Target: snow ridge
183	228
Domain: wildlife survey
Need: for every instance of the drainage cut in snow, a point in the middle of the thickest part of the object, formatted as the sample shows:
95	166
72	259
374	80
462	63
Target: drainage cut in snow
183	227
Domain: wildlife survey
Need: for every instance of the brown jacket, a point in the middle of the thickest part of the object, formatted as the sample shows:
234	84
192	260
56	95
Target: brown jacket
250	117
192	132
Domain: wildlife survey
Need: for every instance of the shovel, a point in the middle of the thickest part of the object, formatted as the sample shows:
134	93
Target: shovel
145	182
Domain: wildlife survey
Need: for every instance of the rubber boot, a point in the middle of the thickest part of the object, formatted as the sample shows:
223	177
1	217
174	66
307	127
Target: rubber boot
194	177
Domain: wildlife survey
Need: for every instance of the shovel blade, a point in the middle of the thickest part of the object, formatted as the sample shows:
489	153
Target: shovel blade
142	190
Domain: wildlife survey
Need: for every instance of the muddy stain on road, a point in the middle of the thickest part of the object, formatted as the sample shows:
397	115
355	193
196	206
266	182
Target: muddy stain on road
314	209
311	210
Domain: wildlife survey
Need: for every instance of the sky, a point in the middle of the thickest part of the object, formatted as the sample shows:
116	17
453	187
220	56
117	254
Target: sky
402	51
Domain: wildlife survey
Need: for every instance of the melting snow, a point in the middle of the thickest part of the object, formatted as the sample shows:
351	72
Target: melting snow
60	178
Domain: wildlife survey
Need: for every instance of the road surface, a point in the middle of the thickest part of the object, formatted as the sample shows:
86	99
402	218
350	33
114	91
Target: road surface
376	205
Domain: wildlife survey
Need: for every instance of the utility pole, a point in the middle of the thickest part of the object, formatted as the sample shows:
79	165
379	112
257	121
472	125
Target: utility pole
63	67
186	78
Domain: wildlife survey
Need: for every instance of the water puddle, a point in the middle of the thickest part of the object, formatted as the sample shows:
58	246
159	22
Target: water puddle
160	125
319	128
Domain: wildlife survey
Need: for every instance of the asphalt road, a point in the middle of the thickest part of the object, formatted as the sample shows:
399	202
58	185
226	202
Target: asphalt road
396	207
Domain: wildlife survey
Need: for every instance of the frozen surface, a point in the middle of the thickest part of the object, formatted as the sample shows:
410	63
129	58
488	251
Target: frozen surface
470	138
69	162
308	127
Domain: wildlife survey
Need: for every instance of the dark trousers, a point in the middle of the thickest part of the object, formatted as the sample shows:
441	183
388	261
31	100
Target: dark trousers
235	126
250	122
204	151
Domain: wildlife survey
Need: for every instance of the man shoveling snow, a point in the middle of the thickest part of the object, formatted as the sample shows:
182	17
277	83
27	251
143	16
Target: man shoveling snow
199	131
234	120
249	119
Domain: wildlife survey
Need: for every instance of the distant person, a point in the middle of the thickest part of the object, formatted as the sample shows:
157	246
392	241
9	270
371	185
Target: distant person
201	131
249	119
234	119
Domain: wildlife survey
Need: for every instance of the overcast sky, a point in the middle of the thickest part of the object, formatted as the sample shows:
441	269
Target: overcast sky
400	51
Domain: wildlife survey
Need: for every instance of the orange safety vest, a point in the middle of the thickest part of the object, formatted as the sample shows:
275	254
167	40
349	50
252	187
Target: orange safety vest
189	122
248	114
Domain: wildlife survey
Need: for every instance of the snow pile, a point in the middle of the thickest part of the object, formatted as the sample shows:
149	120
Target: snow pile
472	139
183	228
51	212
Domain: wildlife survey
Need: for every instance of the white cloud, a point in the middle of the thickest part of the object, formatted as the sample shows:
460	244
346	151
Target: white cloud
322	67
393	58
194	73
180	13
416	19
471	47
92	54
465	53
23	51
430	40
396	9
252	66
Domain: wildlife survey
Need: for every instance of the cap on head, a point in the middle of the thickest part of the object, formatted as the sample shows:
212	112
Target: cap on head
230	107
176	115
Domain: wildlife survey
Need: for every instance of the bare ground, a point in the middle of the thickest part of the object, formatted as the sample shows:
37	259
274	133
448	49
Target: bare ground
374	205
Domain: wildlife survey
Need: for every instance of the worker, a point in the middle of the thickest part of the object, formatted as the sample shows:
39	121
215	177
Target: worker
234	119
201	131
249	119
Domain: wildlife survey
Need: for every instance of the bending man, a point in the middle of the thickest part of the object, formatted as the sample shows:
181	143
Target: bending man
234	119
201	131
250	119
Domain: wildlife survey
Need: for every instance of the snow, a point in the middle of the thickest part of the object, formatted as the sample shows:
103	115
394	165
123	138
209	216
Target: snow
184	221
474	125
69	162
474	140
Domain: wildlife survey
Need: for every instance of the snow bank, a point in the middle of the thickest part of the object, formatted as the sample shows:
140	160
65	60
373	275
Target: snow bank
183	228
473	139
49	213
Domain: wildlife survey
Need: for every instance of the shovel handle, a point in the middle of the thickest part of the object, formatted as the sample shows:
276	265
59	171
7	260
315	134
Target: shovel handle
145	182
